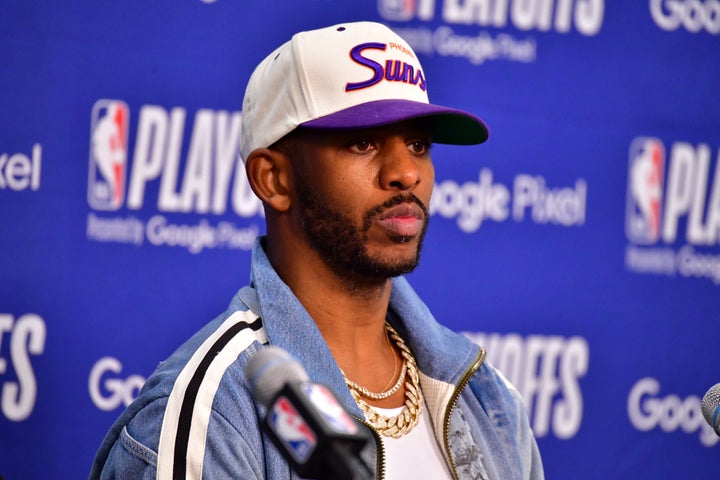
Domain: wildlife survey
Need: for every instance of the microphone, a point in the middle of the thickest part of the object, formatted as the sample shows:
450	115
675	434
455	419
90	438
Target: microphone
305	421
711	407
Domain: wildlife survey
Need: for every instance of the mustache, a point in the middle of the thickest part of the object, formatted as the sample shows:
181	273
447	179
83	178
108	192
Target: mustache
392	202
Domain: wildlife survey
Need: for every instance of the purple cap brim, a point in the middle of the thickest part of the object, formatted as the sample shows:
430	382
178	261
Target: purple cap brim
450	126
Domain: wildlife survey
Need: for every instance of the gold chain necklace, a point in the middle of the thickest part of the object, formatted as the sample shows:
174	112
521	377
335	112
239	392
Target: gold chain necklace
409	416
382	395
395	362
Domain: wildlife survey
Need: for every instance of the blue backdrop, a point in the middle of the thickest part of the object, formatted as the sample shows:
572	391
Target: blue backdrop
579	245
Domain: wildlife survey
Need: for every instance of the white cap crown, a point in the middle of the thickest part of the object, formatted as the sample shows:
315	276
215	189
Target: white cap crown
351	75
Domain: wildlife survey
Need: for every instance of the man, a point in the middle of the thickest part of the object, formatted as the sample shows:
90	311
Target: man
336	136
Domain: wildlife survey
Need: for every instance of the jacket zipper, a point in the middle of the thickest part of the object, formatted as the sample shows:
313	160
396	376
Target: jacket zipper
380	450
464	380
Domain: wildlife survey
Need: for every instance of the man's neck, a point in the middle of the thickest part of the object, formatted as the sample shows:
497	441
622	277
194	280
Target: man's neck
349	312
344	307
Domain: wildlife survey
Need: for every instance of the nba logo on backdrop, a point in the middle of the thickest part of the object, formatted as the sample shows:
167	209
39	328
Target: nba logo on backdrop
397	10
404	10
108	154
645	187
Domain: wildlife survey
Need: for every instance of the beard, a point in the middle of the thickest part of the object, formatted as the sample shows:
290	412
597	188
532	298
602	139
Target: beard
343	245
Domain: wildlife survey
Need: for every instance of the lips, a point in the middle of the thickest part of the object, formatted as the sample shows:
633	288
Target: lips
405	220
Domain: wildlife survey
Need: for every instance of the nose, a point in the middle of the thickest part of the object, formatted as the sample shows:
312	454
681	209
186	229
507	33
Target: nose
400	169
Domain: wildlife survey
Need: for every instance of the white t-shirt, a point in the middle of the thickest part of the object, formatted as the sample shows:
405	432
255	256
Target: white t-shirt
415	455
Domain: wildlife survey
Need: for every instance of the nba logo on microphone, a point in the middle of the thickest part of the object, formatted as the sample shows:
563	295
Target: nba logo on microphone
108	154
645	189
331	411
291	429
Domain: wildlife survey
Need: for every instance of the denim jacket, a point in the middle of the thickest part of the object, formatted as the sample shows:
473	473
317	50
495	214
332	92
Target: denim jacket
195	416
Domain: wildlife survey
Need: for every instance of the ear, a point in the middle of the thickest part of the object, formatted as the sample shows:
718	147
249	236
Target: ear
268	172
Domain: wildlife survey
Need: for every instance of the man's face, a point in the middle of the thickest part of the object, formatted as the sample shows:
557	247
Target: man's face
362	197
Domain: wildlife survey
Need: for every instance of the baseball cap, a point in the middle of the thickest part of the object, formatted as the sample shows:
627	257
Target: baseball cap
347	76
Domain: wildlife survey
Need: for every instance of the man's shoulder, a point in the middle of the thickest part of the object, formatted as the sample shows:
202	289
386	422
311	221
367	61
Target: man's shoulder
490	376
490	389
215	336
224	344
202	379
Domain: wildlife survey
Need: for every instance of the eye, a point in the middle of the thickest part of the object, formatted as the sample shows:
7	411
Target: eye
362	145
419	147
